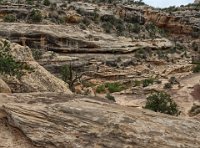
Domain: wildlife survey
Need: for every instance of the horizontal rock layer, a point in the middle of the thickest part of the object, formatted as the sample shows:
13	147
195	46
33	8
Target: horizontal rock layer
60	38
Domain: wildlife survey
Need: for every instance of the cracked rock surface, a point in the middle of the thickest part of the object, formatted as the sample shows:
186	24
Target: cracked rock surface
61	120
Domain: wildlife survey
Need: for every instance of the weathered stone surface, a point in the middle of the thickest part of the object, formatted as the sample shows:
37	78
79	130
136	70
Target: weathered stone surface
4	88
183	21
170	22
36	79
69	39
11	137
53	120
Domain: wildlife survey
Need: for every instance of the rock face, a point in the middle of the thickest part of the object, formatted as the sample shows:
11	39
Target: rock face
68	39
59	120
37	79
175	22
4	88
11	137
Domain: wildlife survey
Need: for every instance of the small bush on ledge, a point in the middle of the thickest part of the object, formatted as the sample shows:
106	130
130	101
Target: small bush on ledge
8	66
168	86
147	82
114	87
9	18
162	102
100	89
35	16
196	69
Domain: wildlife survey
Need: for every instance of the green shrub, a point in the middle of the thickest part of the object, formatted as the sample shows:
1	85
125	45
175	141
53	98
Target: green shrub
152	29
162	102
61	20
110	21
136	28
1	1
46	2
173	80
109	18
196	69
30	2
114	87
107	26
37	53
110	97
136	83
147	82
65	73
35	16
8	65
86	21
82	26
195	46
9	18
53	6
96	15
141	54
111	87
70	76
168	86
120	28
101	89
139	3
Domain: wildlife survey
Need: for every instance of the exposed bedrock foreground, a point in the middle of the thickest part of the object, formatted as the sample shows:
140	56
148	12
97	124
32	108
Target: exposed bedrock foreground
61	120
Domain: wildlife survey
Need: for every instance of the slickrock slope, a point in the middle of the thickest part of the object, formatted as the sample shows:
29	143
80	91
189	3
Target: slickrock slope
11	137
55	120
37	78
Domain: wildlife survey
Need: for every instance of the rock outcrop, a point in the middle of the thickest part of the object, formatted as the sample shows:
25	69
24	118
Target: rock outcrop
59	120
34	80
4	88
184	22
69	39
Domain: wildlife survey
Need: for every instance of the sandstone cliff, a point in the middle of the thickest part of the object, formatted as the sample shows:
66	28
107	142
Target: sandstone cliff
179	22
